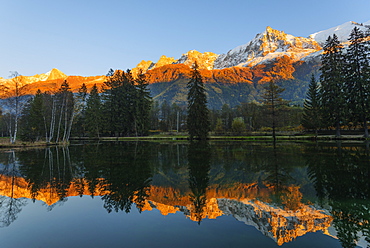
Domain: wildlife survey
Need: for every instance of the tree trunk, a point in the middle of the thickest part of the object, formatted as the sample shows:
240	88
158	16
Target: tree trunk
60	121
366	135
52	121
70	127
337	129
15	128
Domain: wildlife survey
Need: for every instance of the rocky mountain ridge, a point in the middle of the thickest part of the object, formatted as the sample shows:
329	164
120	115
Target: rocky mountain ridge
230	78
265	47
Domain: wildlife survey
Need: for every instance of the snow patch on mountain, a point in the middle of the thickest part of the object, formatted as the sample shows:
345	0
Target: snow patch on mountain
342	31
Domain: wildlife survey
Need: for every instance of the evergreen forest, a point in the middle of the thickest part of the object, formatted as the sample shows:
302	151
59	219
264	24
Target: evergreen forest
337	99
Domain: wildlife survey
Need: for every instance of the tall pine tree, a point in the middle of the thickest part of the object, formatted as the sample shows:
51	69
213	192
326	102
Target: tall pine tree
93	113
198	114
357	76
143	104
126	104
332	83
312	114
119	104
32	128
80	108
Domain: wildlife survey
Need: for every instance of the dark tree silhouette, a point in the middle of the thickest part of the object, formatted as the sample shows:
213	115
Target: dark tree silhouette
198	113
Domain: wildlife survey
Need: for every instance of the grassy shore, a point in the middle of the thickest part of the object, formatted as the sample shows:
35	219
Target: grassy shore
4	142
249	137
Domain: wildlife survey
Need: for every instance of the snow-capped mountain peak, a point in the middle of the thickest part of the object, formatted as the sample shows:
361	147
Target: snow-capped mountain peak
342	31
267	45
54	74
24	80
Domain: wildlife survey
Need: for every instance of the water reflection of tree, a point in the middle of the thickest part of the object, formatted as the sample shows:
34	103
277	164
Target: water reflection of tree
341	177
120	172
49	169
126	177
10	206
199	166
278	175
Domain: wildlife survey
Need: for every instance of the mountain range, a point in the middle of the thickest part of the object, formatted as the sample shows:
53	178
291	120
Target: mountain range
231	78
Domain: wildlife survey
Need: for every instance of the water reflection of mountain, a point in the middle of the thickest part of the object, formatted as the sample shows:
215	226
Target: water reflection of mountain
272	190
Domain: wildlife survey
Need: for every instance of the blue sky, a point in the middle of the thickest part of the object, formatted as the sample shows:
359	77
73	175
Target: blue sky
87	37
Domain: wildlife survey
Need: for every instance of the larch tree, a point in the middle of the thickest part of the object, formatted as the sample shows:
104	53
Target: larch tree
332	83
198	114
273	101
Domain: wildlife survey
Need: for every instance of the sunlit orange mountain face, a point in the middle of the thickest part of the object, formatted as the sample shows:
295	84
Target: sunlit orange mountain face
50	82
231	78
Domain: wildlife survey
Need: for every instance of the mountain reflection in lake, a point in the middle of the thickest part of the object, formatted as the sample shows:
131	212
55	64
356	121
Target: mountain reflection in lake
236	194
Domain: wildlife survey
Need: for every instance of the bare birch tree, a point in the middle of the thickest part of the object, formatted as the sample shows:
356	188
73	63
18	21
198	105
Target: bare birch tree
15	102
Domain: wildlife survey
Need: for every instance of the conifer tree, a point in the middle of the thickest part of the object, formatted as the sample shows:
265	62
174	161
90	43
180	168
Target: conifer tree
332	83
154	115
115	107
165	110
121	103
198	113
357	76
108	97
32	119
312	114
80	108
273	101
129	107
93	113
143	105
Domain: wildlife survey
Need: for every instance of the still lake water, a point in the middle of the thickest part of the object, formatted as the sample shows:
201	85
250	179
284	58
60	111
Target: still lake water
145	194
